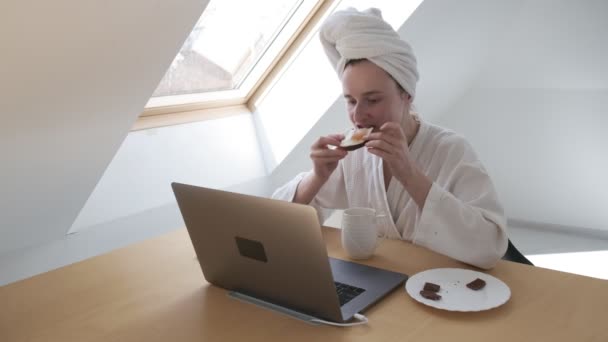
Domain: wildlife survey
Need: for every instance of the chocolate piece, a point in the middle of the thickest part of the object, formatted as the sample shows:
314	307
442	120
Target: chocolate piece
430	295
431	287
477	284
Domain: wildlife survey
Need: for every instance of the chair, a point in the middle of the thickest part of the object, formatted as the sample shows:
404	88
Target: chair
513	254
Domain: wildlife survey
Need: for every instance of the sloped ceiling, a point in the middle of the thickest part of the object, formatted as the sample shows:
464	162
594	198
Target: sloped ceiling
75	75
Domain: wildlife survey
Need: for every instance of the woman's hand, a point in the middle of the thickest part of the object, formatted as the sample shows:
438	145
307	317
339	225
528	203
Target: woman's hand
325	159
390	144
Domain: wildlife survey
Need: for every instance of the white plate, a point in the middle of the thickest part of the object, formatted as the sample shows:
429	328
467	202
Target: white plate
455	295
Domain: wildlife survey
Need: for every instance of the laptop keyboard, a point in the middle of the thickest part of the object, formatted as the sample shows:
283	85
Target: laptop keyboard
346	292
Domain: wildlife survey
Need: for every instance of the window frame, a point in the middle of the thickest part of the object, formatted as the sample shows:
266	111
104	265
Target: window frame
233	102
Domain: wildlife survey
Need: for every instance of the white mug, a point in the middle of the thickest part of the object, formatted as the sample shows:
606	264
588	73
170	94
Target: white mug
360	232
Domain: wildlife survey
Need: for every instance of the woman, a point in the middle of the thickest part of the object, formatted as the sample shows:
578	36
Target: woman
427	179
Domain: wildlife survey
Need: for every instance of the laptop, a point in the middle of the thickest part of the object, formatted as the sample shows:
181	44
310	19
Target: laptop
273	251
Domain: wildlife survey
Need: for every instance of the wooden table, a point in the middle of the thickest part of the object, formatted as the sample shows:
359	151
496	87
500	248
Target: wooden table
155	291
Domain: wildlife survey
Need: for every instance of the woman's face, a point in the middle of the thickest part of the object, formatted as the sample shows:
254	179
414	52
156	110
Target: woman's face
372	96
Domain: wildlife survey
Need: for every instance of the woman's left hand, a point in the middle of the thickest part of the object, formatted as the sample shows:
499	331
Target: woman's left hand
390	144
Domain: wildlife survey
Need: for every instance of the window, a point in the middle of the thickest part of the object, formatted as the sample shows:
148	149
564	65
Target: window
230	49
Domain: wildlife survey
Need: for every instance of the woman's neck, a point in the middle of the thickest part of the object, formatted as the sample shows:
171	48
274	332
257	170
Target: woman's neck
411	126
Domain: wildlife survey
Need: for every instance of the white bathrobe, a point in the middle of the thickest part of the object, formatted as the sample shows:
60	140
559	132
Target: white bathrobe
462	217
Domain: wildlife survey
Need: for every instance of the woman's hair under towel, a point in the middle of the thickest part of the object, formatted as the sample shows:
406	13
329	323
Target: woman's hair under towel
350	34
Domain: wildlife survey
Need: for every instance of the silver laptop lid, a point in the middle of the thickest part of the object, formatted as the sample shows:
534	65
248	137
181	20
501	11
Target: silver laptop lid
269	249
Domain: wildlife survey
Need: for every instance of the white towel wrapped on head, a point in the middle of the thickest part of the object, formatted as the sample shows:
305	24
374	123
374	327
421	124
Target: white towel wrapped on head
350	34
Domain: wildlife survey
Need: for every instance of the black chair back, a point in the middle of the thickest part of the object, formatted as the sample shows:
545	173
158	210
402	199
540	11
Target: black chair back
513	254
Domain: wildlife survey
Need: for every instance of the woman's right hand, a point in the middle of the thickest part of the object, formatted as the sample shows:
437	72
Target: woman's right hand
325	159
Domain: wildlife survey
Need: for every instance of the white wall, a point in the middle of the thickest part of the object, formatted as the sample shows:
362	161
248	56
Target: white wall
451	41
545	148
538	111
216	153
133	200
334	120
551	44
75	75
